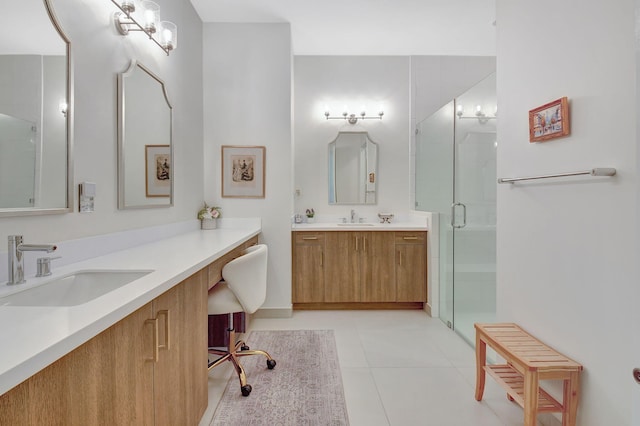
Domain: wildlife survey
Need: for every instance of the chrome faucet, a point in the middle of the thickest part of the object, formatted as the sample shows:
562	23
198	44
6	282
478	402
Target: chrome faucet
16	260
353	216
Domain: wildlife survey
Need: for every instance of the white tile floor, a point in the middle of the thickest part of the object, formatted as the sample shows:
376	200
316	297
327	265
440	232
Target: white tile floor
398	368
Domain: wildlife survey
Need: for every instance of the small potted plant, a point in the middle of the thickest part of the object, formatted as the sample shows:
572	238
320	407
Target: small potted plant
310	215
208	216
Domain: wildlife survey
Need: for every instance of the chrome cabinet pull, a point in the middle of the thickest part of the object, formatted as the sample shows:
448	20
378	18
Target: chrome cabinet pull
309	238
409	238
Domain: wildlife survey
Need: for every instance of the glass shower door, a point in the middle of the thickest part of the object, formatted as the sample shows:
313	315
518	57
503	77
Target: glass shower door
474	227
434	193
456	180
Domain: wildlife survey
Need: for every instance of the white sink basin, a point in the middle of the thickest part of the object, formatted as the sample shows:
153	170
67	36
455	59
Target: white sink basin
355	224
73	289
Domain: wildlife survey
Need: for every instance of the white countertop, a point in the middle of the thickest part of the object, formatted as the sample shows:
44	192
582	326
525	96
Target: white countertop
328	226
34	337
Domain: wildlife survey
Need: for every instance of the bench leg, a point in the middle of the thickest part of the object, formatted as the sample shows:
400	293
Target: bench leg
530	398
481	361
570	399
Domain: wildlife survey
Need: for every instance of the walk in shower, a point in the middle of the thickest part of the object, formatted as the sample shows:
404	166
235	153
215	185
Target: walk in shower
456	180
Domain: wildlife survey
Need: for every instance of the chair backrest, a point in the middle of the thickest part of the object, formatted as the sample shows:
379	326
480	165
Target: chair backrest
246	277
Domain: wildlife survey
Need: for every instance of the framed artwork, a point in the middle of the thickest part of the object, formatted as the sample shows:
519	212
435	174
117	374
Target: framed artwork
549	121
158	170
243	171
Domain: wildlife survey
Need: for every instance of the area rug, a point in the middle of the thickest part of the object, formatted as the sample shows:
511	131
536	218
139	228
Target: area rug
305	387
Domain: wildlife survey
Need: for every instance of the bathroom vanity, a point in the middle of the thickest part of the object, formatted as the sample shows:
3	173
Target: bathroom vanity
136	355
359	267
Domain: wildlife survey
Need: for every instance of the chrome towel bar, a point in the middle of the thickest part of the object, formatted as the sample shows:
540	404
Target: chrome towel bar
599	171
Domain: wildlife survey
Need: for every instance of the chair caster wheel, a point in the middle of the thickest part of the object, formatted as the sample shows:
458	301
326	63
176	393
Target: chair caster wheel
246	390
244	348
271	363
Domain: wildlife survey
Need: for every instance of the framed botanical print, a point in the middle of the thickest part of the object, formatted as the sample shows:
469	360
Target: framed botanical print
158	170
243	171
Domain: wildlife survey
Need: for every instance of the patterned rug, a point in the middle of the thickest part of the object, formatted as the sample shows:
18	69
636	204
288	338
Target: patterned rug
305	387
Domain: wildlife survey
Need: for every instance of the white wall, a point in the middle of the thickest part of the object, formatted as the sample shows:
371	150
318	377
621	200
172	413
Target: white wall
99	53
354	81
409	89
567	250
247	101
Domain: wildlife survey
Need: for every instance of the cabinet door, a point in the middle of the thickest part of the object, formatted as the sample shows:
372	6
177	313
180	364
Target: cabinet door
308	267
342	276
180	374
107	380
376	251
411	273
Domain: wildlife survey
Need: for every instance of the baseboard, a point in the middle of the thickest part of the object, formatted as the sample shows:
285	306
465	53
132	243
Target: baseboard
273	313
427	309
357	306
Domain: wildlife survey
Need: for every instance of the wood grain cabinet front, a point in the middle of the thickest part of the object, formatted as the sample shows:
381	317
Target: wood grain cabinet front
308	267
359	270
149	368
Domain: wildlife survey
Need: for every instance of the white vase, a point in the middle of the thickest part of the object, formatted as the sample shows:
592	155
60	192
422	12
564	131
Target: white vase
208	223
311	219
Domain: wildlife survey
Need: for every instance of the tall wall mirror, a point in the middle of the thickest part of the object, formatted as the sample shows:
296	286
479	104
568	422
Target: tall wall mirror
145	149
353	176
35	112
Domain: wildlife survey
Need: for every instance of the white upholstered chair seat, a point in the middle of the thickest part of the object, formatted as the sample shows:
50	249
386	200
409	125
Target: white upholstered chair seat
222	300
244	289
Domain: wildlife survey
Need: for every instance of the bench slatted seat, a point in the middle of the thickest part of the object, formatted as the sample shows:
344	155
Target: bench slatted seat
528	361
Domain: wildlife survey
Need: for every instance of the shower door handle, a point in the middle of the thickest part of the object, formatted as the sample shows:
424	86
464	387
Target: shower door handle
453	215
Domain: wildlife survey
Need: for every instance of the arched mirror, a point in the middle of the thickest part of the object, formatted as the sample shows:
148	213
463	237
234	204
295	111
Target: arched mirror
353	160
35	111
145	169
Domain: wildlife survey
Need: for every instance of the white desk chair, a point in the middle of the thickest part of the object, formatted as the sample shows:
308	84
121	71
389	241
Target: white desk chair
244	289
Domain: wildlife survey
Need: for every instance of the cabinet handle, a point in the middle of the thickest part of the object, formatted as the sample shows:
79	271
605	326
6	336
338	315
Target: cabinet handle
409	238
364	244
156	354
309	238
399	258
165	313
357	239
321	259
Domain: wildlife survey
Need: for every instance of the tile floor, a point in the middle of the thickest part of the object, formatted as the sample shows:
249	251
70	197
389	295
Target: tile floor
398	368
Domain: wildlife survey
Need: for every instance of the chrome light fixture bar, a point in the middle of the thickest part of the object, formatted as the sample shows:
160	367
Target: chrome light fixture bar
162	33
353	118
479	114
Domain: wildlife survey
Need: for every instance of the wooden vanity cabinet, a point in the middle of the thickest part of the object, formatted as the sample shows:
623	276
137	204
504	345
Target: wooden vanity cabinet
308	267
411	266
149	368
377	268
359	269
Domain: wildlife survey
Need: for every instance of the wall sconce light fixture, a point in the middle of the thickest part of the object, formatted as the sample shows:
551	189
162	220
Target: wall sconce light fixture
353	118
479	114
162	33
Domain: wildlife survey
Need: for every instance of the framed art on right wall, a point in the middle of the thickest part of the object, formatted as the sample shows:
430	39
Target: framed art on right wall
549	121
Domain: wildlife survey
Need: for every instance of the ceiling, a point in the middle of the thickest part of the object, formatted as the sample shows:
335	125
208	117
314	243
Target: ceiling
369	27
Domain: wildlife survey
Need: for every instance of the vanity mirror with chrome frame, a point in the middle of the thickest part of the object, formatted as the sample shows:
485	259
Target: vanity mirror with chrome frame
36	112
353	161
145	148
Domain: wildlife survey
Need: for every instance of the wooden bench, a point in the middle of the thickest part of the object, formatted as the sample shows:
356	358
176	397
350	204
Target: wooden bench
527	362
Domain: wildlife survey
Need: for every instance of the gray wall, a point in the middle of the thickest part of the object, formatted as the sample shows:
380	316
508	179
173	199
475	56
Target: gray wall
99	53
